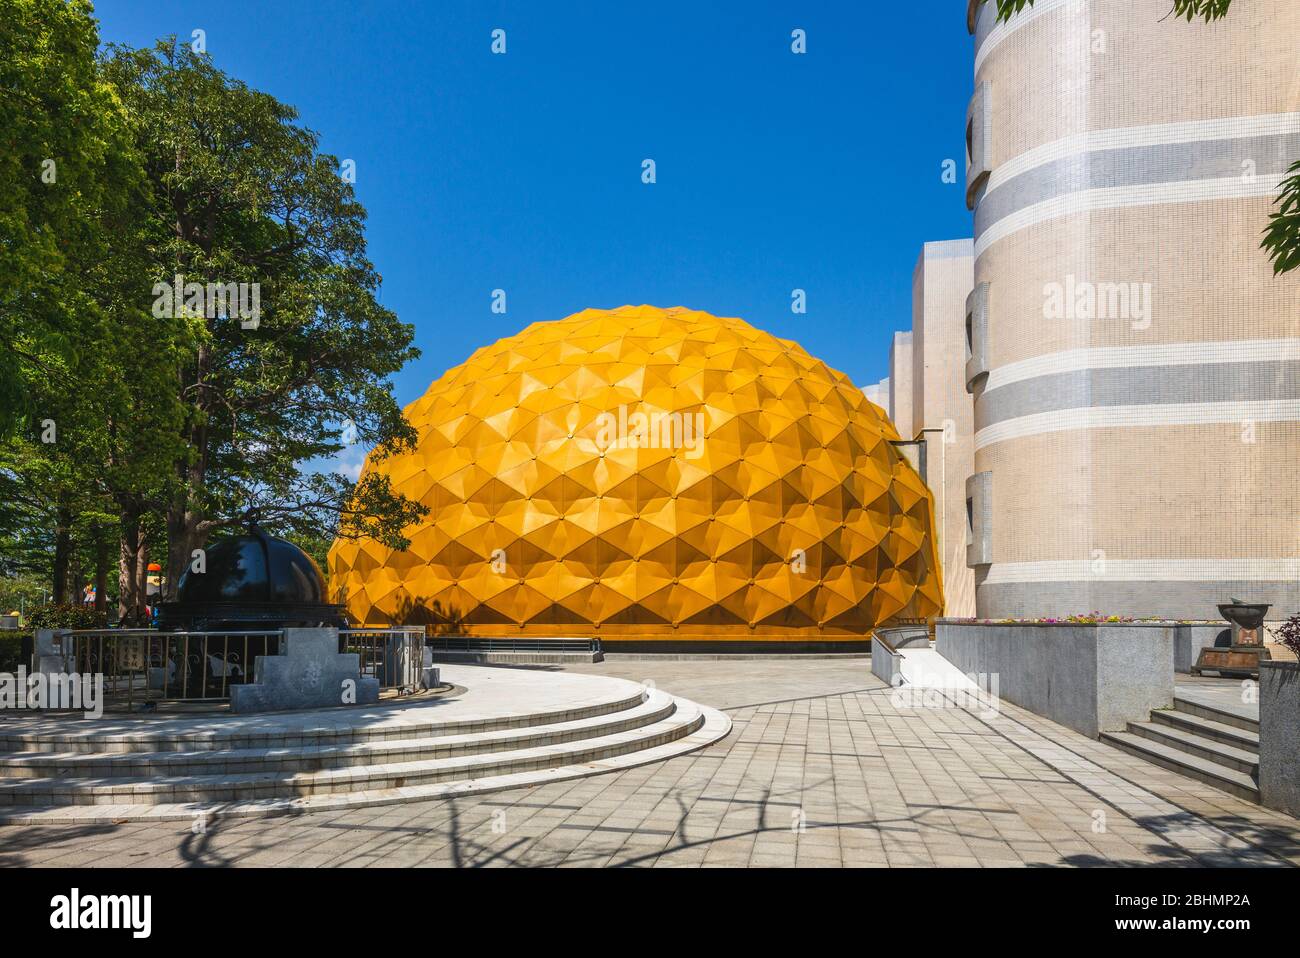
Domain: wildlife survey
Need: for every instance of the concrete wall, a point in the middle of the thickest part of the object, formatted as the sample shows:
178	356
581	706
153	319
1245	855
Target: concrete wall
1190	639
886	665
900	384
878	393
1279	736
928	401
1091	678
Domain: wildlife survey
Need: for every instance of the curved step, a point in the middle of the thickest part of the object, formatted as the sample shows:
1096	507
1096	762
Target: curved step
322	727
309	758
715	725
686	718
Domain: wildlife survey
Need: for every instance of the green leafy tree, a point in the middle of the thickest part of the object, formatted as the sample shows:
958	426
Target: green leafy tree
172	423
1282	237
81	440
66	171
100	466
26	516
21	592
239	193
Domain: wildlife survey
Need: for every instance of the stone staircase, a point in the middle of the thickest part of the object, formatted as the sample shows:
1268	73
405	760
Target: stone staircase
293	762
1209	744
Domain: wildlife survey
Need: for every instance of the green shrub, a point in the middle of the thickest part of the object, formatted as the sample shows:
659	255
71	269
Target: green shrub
65	617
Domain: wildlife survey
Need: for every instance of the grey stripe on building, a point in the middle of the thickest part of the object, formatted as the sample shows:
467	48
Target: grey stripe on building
1218	159
1140	386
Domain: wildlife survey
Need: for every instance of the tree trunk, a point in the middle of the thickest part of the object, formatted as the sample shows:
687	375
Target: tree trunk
62	553
76	576
142	578
180	539
101	570
127	584
186	525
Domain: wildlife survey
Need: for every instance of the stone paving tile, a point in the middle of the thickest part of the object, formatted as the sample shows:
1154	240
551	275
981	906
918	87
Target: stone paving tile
820	770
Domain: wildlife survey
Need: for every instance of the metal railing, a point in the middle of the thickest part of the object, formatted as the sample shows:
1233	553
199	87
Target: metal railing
394	656
202	666
181	666
467	643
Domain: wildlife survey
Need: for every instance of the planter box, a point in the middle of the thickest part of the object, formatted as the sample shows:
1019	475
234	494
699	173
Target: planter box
1279	736
1091	678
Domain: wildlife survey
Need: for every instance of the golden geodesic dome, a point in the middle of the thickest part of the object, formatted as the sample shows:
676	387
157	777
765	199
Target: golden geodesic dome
645	473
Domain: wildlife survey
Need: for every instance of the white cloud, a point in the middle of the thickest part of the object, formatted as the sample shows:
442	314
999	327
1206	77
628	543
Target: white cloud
349	462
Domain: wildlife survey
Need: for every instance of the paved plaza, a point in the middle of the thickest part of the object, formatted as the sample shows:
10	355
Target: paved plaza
821	768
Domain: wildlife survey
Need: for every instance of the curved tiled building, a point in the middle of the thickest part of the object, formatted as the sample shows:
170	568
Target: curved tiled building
1135	364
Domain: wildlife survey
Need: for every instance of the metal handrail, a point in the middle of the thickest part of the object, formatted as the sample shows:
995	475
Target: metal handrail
188	666
875	634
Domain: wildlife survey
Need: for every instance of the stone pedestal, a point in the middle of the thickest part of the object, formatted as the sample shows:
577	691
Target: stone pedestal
1242	658
1247	651
430	677
309	673
49	655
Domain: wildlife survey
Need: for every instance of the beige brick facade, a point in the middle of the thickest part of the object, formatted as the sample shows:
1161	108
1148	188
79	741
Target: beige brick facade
1137	414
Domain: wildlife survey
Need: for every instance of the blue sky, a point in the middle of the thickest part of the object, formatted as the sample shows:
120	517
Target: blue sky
522	172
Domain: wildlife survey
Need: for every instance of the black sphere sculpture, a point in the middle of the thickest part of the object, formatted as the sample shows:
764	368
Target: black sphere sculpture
251	582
